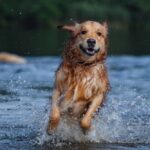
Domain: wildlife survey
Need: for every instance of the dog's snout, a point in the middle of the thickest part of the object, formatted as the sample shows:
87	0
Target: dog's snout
91	42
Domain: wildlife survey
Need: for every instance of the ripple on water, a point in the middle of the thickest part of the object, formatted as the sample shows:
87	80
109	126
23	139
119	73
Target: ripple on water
24	105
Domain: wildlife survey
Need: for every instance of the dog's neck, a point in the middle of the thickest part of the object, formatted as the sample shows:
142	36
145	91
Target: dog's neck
82	65
88	64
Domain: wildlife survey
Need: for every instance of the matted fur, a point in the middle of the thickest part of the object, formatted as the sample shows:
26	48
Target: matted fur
81	80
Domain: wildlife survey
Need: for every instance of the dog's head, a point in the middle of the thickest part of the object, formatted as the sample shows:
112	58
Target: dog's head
88	40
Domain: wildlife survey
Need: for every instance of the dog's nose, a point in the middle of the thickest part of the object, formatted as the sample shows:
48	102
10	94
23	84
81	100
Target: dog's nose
91	42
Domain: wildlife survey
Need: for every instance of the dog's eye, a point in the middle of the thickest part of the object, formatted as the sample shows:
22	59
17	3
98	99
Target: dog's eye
83	32
99	33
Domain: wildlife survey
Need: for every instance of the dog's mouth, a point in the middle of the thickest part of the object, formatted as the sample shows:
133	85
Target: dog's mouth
90	51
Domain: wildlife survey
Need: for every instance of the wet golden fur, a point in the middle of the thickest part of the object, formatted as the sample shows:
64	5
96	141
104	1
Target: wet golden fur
81	80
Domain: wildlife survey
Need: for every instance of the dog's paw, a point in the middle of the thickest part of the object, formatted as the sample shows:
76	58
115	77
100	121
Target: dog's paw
50	129
85	123
53	123
86	131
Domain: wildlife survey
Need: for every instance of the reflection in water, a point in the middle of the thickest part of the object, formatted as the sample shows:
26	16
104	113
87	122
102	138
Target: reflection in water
24	107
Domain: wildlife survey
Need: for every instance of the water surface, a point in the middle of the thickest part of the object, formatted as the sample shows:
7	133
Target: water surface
123	122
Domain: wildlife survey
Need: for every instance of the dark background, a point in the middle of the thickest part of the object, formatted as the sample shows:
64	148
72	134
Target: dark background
28	27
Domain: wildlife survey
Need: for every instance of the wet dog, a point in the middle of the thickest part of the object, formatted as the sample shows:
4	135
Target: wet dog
81	79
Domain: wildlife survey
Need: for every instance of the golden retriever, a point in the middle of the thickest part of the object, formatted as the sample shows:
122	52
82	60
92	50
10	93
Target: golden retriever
11	58
81	79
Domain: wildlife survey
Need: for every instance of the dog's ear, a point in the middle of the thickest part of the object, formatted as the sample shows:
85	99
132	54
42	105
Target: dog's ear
71	28
105	24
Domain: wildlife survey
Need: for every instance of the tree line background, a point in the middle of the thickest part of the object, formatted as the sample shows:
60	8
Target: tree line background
19	17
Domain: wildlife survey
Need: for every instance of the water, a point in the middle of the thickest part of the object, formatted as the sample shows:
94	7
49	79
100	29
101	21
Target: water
123	122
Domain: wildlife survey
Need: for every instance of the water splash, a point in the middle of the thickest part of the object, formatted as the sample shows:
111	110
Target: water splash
119	121
25	106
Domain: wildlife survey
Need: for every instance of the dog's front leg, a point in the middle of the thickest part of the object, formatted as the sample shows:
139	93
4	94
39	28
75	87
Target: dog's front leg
86	120
55	112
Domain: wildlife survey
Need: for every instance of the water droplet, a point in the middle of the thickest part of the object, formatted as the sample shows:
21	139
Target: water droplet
20	13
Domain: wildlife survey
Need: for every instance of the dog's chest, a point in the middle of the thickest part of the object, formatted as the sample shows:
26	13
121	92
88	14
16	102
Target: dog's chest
85	83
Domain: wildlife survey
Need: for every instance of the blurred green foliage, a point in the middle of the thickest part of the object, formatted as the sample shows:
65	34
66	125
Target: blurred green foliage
28	27
45	13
